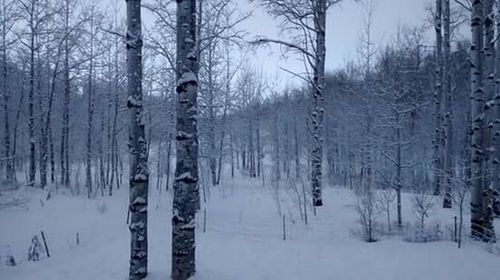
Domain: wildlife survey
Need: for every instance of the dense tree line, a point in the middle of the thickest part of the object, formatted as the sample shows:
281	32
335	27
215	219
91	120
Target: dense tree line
406	116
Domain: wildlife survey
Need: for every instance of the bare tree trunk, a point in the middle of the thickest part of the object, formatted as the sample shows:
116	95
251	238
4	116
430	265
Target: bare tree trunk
139	175
100	148
186	191
296	148
9	169
31	114
114	128
169	152
16	124
224	119
318	110
243	156
211	113
159	171
221	145
488	88
51	155
90	107
259	151
496	122
65	172
448	153
286	161
231	147
368	149
251	148
48	145
481	222
109	142
42	137
398	170
276	175
438	96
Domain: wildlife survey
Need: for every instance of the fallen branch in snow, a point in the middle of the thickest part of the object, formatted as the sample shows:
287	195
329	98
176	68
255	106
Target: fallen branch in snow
45	244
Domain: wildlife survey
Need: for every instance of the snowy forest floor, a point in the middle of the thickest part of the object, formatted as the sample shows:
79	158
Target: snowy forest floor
243	239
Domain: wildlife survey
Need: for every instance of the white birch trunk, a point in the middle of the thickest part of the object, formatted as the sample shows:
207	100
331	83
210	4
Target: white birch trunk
438	93
9	169
186	196
496	121
480	228
318	110
31	92
448	152
139	175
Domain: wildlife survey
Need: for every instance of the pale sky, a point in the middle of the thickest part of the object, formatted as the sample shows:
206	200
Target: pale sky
344	25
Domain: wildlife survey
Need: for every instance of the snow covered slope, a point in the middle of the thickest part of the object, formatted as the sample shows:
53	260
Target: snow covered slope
243	240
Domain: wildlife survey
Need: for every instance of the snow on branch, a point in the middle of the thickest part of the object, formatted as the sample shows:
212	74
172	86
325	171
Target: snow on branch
263	41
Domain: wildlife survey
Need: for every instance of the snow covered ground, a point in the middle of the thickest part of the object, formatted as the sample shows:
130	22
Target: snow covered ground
243	240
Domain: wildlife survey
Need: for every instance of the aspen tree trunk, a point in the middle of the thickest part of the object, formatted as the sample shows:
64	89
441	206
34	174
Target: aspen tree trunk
186	196
221	145
65	172
9	169
211	114
488	91
139	175
224	114
8	165
496	121
100	149
368	149
438	96
488	84
296	148
52	156
41	130
90	107
48	146
259	150
16	123
448	153
367	83
109	121
481	224
109	148
398	170
169	151
251	149
44	147
31	105
231	147
243	156
286	161
114	128
318	110
275	175
159	173
329	153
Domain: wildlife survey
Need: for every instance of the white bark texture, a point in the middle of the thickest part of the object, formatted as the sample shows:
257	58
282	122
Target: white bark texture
186	197
318	110
496	121
481	219
139	177
448	129
438	96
